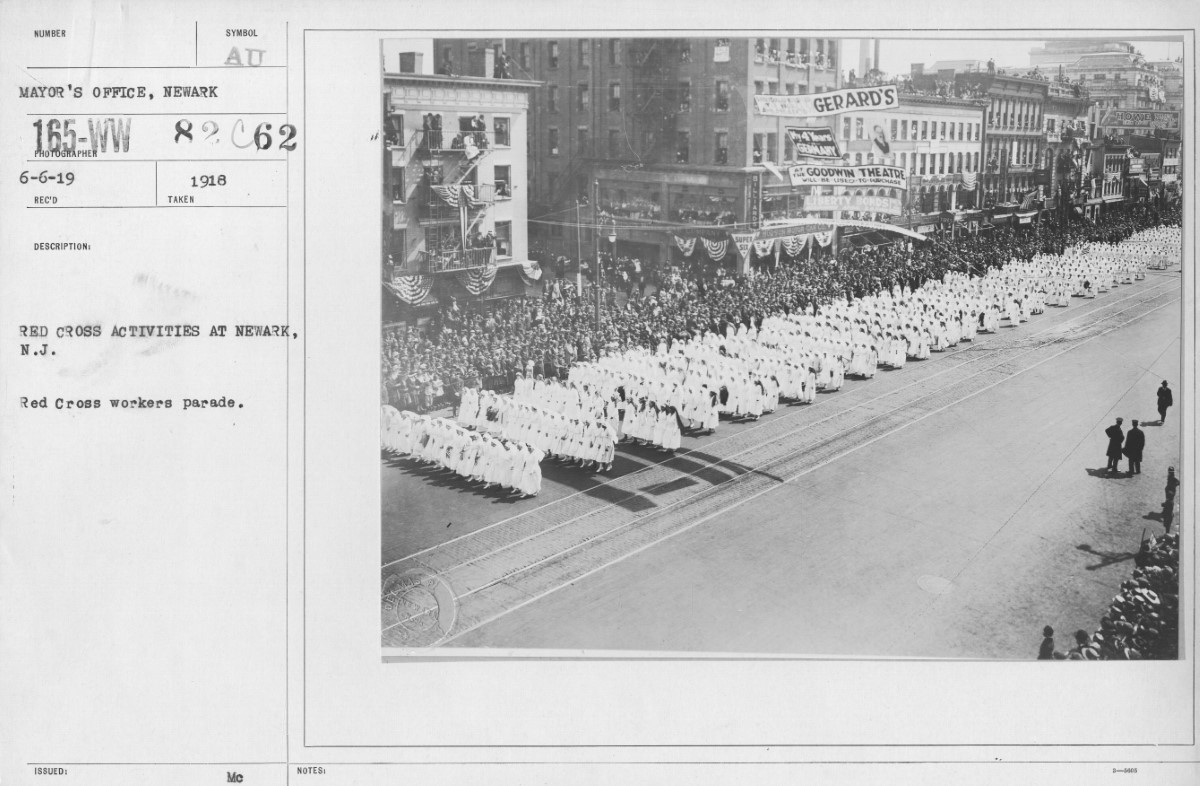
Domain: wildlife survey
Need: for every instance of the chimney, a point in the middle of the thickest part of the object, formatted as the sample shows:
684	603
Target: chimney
411	62
489	62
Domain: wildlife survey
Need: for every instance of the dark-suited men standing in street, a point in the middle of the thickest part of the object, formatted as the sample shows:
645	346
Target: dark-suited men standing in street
1116	437
1165	400
1135	441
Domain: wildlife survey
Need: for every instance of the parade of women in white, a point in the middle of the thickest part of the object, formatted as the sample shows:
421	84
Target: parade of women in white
653	398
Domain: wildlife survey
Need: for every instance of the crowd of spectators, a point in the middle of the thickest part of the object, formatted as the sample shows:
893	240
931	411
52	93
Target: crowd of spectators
1142	623
426	367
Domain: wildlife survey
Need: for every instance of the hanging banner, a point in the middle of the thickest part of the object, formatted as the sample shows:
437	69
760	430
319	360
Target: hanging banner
968	179
686	245
814	142
763	247
833	102
828	175
743	241
716	248
867	204
880	144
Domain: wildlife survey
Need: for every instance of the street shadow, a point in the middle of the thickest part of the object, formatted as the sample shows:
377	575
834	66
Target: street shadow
1154	515
1104	473
1106	557
1152	423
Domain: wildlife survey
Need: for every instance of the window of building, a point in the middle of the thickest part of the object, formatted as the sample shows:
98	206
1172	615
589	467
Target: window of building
772	88
614	96
504	238
846	128
581	140
721	151
757	149
398	184
552	98
903	129
552	54
921	171
722	97
789	148
503	180
685	52
524	51
585	53
858	159
858	128
772	151
682	147
904	161
553	141
951	131
583	99
500	132
614	143
976	162
942	135
614	51
398	249
924	129
685	96
895	128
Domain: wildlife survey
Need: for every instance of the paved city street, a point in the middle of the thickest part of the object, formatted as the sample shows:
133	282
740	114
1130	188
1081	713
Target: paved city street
948	509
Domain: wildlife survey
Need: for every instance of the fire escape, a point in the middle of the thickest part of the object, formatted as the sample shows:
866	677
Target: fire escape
451	205
657	99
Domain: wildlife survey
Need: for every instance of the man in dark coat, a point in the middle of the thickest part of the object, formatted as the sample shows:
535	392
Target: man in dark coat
1165	400
1116	437
1135	441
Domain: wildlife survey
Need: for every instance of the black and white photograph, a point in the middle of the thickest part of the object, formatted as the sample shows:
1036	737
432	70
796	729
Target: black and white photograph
782	345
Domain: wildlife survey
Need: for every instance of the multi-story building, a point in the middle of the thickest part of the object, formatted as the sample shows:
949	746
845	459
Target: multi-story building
1065	125
1159	167
1014	138
1171	72
454	219
653	137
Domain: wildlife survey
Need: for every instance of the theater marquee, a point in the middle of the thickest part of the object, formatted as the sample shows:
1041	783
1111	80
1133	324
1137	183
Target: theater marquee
821	175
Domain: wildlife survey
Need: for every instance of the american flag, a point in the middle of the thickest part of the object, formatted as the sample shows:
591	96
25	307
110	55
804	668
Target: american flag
1027	202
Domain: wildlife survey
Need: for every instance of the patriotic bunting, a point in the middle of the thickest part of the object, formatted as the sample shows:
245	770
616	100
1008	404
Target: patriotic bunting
412	289
716	248
686	245
448	194
823	238
478	281
794	245
763	247
530	272
968	179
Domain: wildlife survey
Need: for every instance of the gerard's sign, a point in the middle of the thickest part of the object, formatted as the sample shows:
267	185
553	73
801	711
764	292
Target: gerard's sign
855	99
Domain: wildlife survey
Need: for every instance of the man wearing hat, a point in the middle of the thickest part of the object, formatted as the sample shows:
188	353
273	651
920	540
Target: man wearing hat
1168	510
1116	437
1135	441
1165	400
